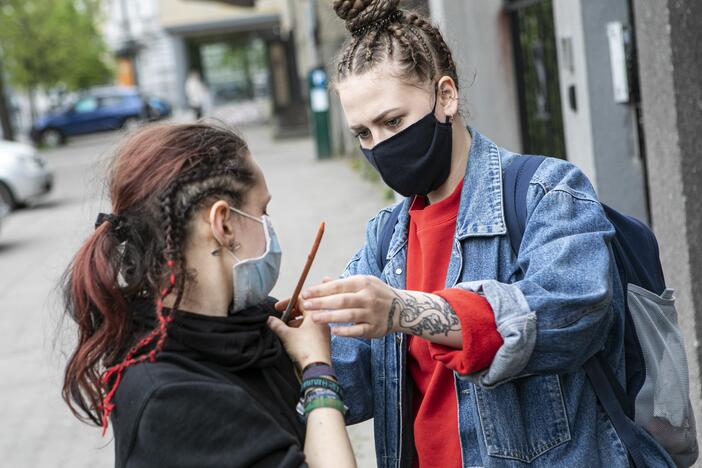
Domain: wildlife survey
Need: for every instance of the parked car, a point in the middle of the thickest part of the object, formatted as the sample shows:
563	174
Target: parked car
24	176
96	111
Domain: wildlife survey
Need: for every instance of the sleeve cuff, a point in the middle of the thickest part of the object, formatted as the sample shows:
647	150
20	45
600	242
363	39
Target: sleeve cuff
479	336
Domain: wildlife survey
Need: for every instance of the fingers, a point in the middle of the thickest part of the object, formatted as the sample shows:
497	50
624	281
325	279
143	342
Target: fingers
295	322
337	301
278	327
347	285
281	305
340	316
358	330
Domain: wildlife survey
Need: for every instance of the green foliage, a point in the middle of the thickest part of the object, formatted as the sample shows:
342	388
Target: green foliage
50	42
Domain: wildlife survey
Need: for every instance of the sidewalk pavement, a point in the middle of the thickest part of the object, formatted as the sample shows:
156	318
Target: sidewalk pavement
36	244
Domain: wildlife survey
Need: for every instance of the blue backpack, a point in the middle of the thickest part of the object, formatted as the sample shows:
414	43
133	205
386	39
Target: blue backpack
657	386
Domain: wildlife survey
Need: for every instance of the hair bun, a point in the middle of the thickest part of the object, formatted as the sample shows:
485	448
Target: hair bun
360	13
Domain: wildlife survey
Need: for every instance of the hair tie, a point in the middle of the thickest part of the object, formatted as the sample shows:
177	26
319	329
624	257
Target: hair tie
378	24
117	224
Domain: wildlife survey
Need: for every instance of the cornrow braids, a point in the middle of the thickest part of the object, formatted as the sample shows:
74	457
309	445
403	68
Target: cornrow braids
380	32
444	54
219	176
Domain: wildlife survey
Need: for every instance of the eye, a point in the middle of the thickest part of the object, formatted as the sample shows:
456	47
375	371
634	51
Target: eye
393	123
363	134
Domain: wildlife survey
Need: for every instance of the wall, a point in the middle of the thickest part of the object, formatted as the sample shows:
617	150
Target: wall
479	35
670	59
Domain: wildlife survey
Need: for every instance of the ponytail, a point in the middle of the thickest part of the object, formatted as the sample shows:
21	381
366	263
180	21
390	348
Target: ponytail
94	301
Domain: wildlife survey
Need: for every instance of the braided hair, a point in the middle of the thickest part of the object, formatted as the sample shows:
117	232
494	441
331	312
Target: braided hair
159	178
380	31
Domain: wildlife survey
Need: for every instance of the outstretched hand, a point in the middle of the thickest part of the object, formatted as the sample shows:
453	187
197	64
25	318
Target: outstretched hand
367	307
366	303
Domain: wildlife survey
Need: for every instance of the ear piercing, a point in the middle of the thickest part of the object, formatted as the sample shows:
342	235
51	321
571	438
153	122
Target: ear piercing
218	251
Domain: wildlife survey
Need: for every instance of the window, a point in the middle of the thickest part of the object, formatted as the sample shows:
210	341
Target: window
86	104
111	101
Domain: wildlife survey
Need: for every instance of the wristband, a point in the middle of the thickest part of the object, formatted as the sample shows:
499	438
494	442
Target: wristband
319	371
311	395
322	382
325	402
315	364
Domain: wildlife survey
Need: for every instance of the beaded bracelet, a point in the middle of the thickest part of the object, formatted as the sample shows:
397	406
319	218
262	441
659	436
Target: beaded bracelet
325	402
322	382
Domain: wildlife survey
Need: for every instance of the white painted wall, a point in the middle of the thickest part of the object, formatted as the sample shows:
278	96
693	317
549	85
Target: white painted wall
577	126
479	36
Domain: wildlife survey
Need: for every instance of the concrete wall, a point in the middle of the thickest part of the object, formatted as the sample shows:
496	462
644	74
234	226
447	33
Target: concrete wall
479	35
573	77
669	40
620	172
601	134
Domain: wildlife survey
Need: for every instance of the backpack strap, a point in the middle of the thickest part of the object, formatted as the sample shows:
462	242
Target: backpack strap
386	236
515	184
601	377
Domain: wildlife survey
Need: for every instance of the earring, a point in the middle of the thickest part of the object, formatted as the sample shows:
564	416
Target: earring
236	246
216	252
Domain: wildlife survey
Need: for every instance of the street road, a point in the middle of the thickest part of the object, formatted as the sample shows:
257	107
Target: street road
36	244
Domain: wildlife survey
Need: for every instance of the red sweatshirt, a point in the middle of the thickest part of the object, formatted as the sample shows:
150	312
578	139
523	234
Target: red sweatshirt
431	366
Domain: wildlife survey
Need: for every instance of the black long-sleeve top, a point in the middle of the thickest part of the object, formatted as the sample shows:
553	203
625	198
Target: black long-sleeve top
220	394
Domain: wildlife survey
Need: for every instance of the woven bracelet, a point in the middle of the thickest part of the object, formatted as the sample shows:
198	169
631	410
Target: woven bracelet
319	392
321	382
315	364
319	371
325	402
312	394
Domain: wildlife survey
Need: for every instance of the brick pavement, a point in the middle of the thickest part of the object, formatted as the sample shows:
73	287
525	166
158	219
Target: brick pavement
36	428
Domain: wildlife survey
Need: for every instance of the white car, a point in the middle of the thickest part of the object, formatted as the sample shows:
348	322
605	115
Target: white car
24	176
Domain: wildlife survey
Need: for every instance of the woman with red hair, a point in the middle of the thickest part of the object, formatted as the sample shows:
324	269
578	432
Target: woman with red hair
170	297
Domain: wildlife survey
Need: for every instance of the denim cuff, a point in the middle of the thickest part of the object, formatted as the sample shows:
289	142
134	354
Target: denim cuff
516	323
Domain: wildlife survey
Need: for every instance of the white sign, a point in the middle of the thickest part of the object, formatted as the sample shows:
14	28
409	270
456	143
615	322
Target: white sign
617	56
319	100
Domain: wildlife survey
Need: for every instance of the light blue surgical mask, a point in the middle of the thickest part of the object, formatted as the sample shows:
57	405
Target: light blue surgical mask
254	278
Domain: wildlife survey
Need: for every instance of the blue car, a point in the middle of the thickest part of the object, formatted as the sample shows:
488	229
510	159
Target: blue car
98	111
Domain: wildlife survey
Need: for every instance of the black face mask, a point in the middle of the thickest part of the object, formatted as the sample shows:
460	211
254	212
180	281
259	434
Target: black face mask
416	160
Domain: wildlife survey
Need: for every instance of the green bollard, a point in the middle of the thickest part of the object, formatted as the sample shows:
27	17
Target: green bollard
319	106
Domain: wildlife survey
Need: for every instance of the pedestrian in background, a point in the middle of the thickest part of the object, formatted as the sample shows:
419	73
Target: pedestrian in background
197	94
464	352
169	295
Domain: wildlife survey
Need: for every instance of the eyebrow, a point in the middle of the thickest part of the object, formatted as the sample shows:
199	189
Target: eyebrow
377	119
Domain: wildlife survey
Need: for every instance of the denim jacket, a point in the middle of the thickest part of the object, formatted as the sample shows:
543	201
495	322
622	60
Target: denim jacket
556	303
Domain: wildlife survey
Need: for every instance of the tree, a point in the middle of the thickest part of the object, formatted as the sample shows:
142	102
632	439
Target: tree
46	43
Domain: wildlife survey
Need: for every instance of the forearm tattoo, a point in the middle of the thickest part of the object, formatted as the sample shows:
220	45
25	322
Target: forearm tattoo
424	315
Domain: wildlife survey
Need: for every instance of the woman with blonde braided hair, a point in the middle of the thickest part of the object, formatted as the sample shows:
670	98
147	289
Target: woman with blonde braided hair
466	350
177	342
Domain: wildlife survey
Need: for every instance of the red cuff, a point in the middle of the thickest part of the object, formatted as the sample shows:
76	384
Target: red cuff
479	334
